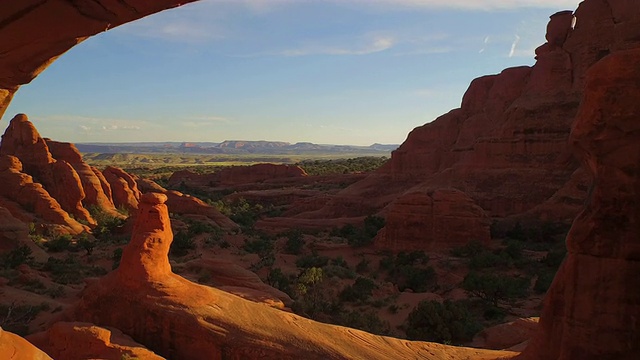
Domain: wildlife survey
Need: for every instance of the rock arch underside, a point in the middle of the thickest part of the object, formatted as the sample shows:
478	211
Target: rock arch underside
592	310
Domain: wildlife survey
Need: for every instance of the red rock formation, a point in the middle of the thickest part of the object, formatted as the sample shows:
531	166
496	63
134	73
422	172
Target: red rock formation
507	335
14	233
124	188
182	320
35	33
236	175
22	140
13	347
80	341
180	203
433	220
92	184
20	188
592	308
506	146
230	277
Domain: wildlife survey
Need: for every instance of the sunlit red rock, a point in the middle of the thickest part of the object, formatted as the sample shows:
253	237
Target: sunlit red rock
80	341
22	140
13	347
20	188
124	188
92	184
182	320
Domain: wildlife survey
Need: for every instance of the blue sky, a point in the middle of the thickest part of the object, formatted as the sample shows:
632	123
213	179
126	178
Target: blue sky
333	71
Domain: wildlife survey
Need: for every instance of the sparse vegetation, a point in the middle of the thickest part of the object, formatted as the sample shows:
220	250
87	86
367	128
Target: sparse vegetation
20	255
448	322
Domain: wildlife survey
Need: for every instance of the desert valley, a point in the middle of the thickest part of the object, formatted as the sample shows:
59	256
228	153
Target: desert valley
506	228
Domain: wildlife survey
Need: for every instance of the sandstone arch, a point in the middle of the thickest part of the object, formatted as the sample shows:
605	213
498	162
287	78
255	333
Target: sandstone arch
34	33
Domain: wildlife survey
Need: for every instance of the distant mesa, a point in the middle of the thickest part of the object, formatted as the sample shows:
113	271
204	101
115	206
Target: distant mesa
235	147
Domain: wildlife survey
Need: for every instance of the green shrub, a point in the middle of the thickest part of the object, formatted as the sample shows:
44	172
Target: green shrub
70	270
59	243
16	257
16	318
448	322
543	282
495	288
295	242
360	291
182	244
312	260
472	248
262	245
364	320
108	224
85	243
116	257
279	280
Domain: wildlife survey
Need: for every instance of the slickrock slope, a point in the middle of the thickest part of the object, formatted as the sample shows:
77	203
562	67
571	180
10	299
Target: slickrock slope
80	341
237	175
36	32
13	347
231	277
592	308
183	320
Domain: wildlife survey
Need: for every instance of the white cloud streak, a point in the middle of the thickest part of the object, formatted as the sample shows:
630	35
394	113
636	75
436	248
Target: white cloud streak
263	5
514	46
370	46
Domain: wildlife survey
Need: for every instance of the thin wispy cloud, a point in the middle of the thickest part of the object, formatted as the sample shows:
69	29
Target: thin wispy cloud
514	45
92	125
485	43
210	118
369	46
264	5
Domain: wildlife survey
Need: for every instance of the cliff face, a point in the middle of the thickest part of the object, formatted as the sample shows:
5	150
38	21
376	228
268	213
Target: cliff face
506	147
592	308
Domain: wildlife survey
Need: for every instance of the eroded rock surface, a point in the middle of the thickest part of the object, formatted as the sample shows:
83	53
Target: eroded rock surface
592	308
433	220
13	347
80	341
183	320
